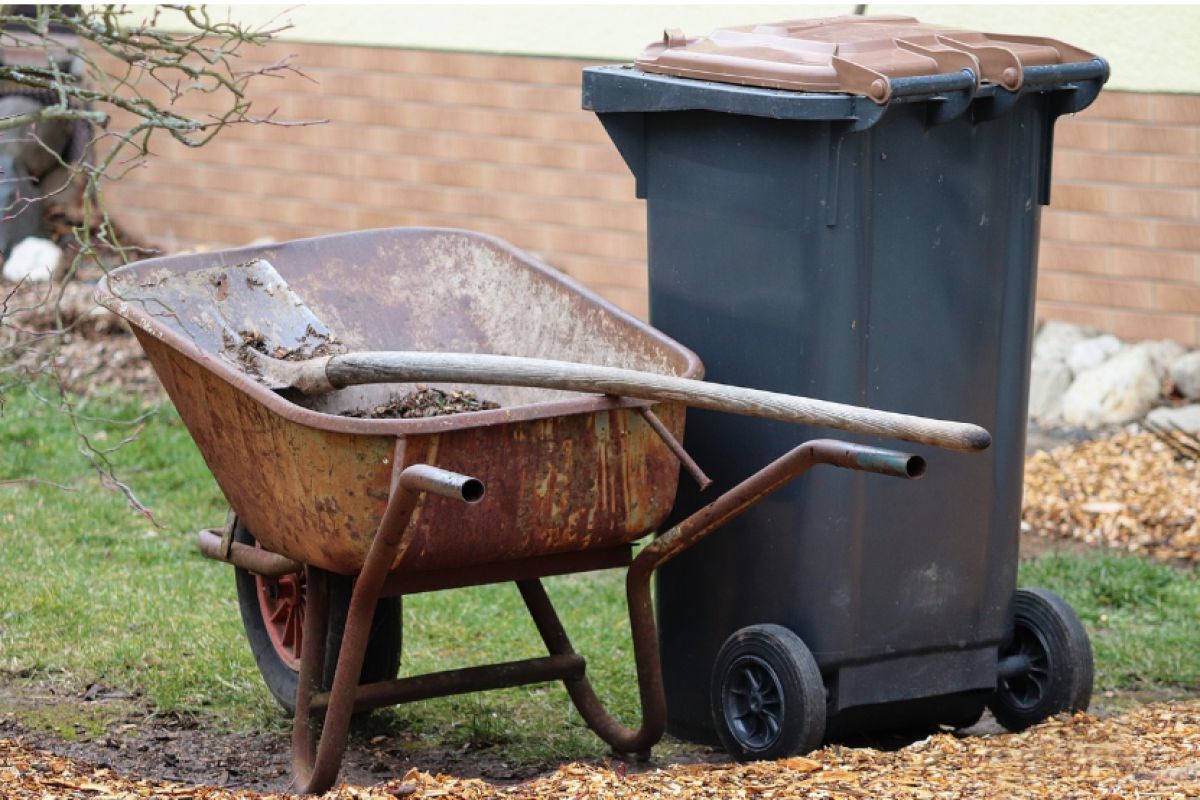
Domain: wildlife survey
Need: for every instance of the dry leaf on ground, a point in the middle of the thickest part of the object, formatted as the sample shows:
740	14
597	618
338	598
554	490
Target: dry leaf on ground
1126	492
1153	751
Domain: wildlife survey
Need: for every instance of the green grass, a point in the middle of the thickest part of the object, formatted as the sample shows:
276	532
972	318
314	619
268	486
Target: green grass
1143	617
92	592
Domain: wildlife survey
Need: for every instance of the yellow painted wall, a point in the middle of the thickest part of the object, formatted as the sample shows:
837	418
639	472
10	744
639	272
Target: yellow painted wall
1150	48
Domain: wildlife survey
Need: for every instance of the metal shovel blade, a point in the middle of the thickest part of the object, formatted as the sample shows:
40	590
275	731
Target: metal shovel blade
258	313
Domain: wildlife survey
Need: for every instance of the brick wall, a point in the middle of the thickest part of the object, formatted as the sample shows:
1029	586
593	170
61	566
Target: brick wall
499	144
1121	242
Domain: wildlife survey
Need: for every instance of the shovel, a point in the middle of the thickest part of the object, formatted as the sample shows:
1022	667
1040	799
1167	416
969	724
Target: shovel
313	367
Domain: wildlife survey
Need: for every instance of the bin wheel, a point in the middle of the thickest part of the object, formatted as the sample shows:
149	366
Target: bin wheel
969	718
273	618
1047	666
962	710
767	696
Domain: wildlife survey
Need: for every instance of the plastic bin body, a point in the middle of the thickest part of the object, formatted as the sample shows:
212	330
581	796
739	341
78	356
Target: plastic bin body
868	255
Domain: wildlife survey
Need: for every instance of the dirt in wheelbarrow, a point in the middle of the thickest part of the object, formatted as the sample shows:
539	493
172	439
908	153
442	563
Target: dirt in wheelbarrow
314	344
424	401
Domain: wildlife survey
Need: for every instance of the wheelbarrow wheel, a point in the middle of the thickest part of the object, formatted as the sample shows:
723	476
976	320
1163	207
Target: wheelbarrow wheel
273	618
1046	668
767	696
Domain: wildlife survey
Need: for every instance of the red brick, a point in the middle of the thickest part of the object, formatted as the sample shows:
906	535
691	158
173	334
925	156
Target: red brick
1123	106
1080	315
1176	108
1182	299
1074	257
1153	202
1178	171
1056	225
1091	291
1178	235
601	271
1080	197
1052	286
631	300
1095	229
1082	134
1155	265
1154	139
1069	164
1135	326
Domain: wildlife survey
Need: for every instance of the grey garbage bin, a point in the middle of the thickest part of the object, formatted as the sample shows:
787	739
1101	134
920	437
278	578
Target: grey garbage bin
849	209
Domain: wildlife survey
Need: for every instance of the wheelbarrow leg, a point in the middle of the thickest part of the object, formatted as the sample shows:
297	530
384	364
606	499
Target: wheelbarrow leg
670	544
312	663
645	652
316	763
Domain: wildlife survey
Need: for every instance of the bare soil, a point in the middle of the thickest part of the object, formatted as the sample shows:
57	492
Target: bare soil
59	329
112	730
425	401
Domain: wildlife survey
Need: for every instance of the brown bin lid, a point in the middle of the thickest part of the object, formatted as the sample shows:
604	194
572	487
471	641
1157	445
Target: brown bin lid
851	54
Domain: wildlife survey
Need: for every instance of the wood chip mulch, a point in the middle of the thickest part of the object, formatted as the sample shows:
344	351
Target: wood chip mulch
1153	751
1129	491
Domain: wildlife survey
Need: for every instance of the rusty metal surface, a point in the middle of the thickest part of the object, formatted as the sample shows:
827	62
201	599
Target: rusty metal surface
401	289
762	483
564	472
252	559
400	583
460	681
685	459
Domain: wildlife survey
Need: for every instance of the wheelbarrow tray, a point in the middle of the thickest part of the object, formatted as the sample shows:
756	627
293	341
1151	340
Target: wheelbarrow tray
565	472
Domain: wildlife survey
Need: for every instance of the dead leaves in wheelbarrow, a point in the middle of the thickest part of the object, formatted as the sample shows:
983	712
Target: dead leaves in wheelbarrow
1128	492
1153	751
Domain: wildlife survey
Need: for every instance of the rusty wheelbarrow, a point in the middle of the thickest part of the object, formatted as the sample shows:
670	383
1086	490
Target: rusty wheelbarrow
334	517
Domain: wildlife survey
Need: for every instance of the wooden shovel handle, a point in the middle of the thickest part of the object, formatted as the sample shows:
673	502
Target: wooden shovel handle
416	367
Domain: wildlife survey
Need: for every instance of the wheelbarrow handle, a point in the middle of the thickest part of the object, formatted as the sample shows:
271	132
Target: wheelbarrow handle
334	372
766	481
684	535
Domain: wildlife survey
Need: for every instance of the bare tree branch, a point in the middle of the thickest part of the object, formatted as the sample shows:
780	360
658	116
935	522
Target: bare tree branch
121	79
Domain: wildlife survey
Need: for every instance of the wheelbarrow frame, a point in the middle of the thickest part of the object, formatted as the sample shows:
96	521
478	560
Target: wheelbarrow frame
317	757
349	497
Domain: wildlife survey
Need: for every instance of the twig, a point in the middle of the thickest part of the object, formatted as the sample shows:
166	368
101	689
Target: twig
122	79
35	482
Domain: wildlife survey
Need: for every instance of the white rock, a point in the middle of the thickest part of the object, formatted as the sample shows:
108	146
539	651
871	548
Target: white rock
1056	339
1186	417
1185	373
33	259
1121	389
1092	352
1162	352
1048	380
